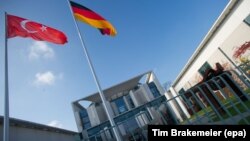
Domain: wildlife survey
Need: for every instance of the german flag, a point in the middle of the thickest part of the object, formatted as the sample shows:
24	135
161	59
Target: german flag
88	16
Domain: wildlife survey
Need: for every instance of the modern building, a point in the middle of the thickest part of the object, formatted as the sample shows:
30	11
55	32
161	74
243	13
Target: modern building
218	70
134	104
224	49
21	130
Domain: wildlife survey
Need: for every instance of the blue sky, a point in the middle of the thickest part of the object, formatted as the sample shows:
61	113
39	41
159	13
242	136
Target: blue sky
44	78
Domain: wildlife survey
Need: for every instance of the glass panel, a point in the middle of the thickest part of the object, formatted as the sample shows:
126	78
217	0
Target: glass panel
154	89
97	130
83	113
204	68
93	131
85	119
181	91
131	125
86	125
247	20
120	104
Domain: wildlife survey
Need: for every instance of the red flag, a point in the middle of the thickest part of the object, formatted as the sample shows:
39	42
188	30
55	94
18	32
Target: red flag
25	28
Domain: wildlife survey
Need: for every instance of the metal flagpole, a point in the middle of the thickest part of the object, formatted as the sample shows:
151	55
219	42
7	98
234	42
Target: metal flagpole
106	107
6	89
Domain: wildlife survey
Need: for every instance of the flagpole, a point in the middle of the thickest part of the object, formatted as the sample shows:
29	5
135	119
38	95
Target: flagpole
6	89
106	107
236	67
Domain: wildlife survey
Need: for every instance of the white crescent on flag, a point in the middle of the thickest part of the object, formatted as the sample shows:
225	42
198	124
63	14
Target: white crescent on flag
23	25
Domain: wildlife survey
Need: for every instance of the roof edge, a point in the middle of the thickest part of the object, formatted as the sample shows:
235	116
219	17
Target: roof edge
84	98
38	126
207	37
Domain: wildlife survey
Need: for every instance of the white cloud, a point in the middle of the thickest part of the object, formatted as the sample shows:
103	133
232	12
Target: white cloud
46	78
55	123
40	49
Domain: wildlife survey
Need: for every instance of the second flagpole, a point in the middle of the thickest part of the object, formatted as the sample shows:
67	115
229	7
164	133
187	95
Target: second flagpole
106	107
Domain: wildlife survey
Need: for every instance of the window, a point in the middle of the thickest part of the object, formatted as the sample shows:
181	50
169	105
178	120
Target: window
181	91
154	89
85	119
95	131
120	104
83	113
130	101
130	125
247	20
86	125
204	68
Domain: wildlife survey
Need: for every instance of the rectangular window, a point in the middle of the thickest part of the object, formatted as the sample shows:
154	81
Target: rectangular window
247	20
83	113
95	131
120	104
85	119
204	68
86	125
154	89
131	124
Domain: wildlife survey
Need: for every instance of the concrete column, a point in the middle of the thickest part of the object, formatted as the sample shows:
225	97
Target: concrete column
172	90
172	105
133	98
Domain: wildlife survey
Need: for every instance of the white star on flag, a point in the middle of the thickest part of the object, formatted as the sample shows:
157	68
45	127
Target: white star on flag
43	28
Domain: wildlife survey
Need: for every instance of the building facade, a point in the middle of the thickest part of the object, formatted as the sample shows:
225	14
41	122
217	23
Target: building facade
21	130
224	52
214	84
134	104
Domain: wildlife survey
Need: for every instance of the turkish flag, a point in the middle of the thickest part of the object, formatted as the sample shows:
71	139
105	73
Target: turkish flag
25	28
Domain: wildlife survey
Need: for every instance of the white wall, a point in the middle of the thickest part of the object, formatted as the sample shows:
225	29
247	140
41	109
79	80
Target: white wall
180	103
173	105
157	83
139	96
147	93
234	19
101	113
93	116
77	117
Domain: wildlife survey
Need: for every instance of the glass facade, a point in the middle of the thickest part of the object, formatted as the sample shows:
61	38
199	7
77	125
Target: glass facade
120	104
97	130
130	120
131	125
154	89
130	115
85	119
